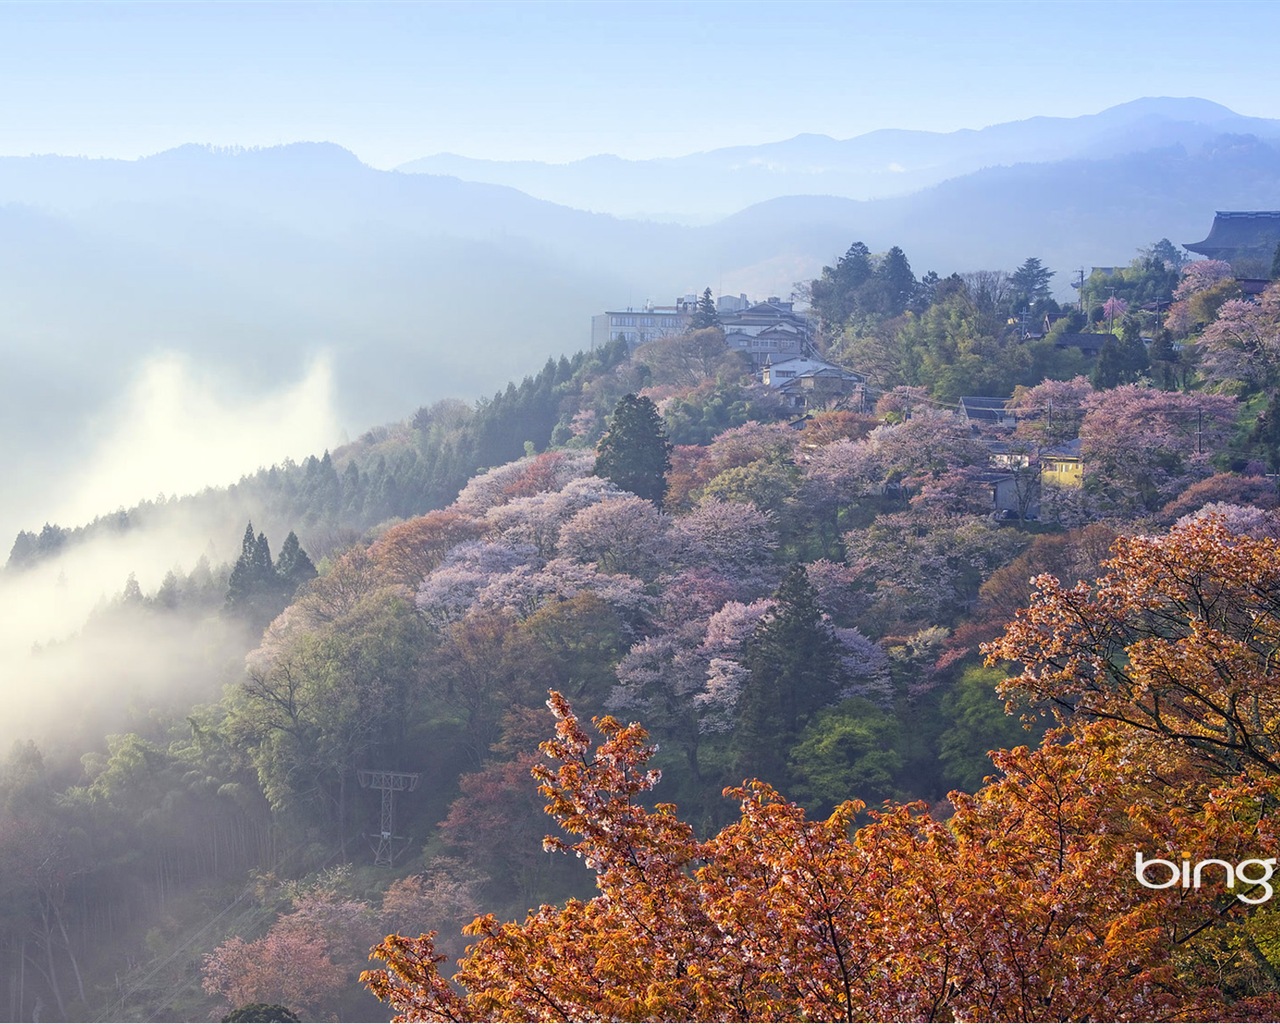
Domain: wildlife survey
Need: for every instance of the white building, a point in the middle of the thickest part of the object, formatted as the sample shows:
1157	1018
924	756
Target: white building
648	323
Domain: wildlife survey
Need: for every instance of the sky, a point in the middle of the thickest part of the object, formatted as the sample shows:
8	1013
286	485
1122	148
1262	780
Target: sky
395	82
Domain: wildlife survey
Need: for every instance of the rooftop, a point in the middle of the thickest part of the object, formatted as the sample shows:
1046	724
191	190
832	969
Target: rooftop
1240	233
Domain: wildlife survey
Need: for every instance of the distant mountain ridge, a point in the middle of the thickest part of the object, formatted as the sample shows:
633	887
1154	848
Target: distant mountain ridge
880	164
418	286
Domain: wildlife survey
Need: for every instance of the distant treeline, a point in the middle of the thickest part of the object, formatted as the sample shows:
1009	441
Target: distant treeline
389	473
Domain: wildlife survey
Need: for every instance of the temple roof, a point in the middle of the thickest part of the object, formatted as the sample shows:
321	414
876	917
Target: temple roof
1239	233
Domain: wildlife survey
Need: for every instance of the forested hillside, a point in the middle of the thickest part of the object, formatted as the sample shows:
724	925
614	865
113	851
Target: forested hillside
261	273
793	591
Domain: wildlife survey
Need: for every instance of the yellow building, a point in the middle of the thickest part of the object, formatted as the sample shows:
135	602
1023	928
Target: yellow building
1061	465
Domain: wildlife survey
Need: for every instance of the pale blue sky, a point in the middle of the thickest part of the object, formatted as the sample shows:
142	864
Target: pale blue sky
558	81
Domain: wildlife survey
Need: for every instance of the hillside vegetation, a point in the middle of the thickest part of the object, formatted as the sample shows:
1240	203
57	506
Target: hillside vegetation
799	597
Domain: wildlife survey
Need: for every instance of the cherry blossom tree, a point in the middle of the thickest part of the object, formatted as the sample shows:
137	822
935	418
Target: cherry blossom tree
445	895
1141	446
1241	520
864	668
836	476
626	534
921	449
835	583
539	518
409	551
721	654
1225	488
734	539
522	478
447	594
1243	342
526	588
1205	286
309	957
1114	307
1052	411
916	577
1022	906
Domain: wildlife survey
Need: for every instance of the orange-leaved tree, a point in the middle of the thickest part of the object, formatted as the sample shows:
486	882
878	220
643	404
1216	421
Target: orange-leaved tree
1023	905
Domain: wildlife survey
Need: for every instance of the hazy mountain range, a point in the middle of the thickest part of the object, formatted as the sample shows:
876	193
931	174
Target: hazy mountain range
704	186
246	265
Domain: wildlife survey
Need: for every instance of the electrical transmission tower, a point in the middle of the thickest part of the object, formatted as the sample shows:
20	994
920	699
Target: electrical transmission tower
390	783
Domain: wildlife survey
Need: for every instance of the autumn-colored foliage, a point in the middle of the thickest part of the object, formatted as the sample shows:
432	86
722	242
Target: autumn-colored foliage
1177	639
409	551
1023	905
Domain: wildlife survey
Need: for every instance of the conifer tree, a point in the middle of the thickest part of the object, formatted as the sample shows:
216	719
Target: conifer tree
793	663
1030	284
293	566
242	574
705	315
897	284
635	453
254	589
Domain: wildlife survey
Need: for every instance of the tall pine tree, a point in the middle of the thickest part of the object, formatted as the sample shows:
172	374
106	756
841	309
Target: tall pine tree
293	566
705	315
635	453
793	663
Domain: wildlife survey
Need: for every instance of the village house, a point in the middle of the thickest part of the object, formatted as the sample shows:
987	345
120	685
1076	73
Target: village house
810	384
768	331
1061	465
986	412
760	331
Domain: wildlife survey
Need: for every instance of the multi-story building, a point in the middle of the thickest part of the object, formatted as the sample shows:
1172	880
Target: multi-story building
761	331
648	323
769	331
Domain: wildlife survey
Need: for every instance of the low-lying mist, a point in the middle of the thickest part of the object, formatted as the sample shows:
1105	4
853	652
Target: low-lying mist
180	427
83	652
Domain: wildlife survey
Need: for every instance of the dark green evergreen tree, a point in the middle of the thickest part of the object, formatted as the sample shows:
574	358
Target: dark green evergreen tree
705	315
1121	361
635	453
293	566
25	549
254	588
242	575
1030	283
132	594
1275	264
793	666
896	283
1165	253
1163	358
835	295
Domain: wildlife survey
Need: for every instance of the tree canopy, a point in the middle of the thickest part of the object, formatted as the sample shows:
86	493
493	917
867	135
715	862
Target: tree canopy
1026	904
635	453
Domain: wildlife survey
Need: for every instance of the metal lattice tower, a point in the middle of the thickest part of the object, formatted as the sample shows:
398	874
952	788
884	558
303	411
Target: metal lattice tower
390	783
